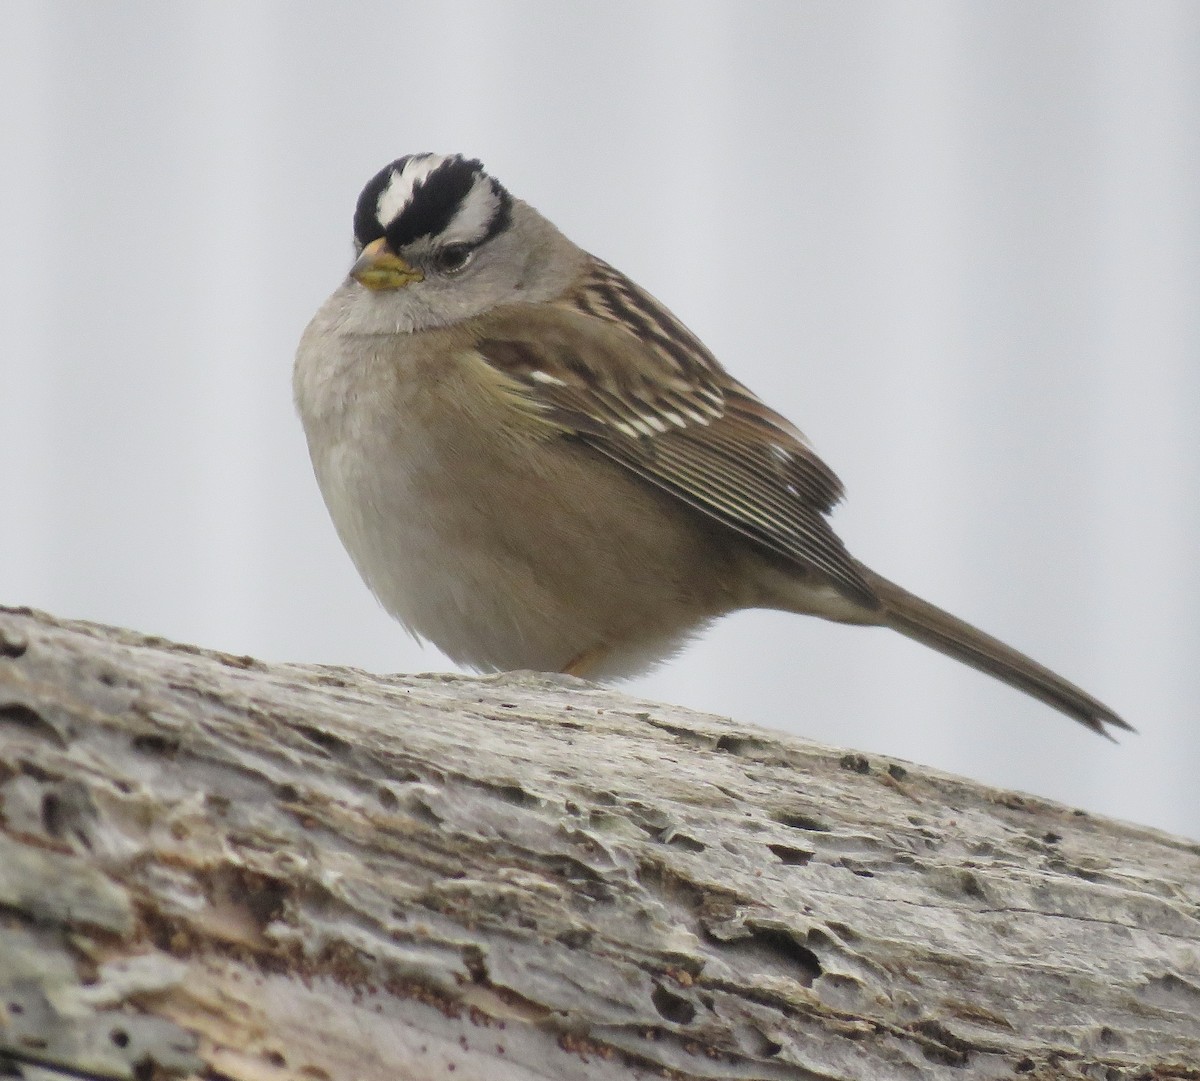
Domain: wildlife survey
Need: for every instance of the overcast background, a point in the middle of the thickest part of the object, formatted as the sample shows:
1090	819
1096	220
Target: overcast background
957	243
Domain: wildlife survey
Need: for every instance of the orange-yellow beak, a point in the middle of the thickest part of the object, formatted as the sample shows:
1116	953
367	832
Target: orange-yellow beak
380	268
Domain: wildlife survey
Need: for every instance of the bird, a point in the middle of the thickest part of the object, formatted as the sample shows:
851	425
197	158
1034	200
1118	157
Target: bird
534	464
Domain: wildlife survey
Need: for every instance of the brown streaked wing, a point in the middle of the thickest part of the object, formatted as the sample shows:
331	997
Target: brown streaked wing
603	291
671	414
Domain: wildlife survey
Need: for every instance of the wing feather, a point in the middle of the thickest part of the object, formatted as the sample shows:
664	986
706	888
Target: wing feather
611	366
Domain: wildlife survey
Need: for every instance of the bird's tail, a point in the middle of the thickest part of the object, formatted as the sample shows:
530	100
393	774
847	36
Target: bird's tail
928	624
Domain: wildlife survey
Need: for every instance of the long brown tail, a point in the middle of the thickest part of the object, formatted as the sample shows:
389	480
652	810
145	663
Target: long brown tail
928	624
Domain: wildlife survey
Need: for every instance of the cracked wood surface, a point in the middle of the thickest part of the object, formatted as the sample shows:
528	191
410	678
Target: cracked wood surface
214	867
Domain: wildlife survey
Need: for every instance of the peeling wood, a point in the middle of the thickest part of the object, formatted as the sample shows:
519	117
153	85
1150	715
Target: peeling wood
218	868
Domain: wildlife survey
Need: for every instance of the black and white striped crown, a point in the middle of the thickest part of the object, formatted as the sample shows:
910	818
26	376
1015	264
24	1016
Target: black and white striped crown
444	197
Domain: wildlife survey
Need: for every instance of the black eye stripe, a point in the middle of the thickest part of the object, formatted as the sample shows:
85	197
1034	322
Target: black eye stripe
434	202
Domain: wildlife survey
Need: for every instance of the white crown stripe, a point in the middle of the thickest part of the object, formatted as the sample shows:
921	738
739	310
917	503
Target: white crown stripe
398	192
474	214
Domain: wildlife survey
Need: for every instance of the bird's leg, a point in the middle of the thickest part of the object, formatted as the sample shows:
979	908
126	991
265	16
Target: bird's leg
585	661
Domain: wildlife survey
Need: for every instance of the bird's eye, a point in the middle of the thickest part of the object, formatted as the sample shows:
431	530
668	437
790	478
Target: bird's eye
452	258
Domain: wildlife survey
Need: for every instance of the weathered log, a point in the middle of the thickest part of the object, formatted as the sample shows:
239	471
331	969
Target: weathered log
211	866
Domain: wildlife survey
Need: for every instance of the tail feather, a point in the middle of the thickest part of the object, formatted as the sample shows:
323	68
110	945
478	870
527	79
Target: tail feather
929	625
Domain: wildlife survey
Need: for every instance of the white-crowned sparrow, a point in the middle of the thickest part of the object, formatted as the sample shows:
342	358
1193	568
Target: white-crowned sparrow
534	464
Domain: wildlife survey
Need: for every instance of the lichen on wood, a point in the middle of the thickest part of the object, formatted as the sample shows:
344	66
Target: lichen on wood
215	867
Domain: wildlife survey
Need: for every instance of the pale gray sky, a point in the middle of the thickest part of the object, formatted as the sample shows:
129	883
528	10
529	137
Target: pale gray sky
957	243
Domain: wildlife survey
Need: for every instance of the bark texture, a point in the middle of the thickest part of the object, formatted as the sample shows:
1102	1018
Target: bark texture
214	867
